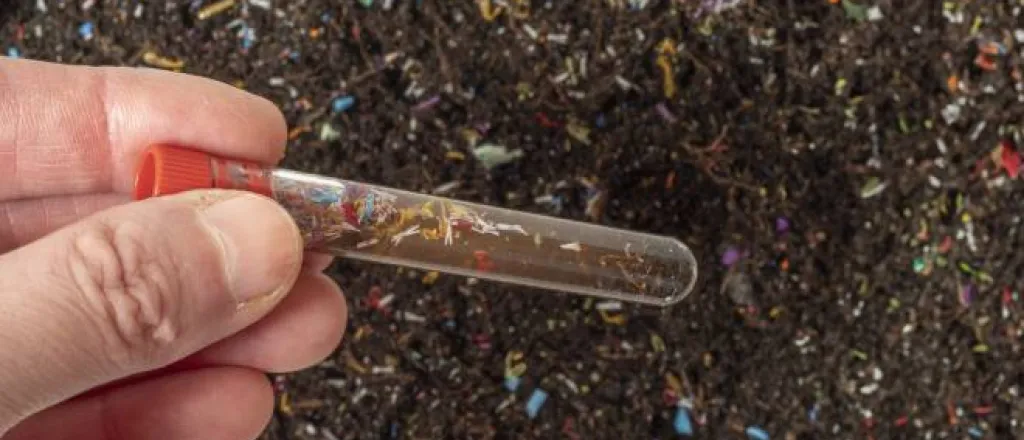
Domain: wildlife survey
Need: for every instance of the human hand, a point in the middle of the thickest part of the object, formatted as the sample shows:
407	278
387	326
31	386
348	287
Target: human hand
153	319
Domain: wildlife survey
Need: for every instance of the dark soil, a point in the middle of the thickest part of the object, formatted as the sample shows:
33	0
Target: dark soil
871	241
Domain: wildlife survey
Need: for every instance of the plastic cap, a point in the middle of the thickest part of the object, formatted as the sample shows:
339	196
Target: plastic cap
167	170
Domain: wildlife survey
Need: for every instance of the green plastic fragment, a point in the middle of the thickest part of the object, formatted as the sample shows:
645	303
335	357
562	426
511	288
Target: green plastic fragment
855	11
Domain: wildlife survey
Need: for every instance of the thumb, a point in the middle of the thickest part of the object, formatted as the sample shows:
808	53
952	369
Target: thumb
136	288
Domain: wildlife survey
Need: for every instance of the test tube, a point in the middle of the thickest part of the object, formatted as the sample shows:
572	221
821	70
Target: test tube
377	224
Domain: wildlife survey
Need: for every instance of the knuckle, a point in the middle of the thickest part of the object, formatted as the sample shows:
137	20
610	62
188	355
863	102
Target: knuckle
128	289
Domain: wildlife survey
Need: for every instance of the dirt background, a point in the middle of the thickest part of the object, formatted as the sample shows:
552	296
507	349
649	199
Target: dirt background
846	174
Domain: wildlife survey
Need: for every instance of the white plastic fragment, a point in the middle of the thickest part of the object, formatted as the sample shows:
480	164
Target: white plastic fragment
445	188
951	113
530	31
623	82
869	389
978	129
954	17
638	4
874	13
386	369
574	246
412	317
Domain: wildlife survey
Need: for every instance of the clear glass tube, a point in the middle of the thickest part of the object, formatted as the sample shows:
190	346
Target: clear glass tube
383	225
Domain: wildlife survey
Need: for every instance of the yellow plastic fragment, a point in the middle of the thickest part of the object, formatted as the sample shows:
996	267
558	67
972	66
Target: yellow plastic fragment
284	404
673	383
515	366
430	277
665	50
489	11
152	59
614	319
657	343
521	9
214	9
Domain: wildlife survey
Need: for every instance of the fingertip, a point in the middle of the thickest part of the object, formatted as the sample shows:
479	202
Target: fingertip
262	246
261	395
317	262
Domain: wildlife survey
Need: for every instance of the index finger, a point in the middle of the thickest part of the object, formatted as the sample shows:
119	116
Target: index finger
68	130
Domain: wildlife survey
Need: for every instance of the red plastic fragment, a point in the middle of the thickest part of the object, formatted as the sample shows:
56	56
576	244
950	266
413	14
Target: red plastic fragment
1010	159
545	121
483	261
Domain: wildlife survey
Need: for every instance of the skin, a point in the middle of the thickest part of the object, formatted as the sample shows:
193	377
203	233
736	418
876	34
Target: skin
151	319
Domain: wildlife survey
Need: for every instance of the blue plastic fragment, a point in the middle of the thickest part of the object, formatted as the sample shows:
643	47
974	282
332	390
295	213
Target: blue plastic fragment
682	422
756	433
536	401
85	29
343	103
512	382
323	196
247	38
13	52
975	432
367	210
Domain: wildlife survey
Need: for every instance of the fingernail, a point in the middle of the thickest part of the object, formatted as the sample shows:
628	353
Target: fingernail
262	245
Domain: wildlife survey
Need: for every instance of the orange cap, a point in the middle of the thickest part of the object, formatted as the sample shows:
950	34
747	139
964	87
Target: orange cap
165	170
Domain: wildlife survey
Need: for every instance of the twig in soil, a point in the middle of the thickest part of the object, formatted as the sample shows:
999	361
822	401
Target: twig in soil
707	164
374	71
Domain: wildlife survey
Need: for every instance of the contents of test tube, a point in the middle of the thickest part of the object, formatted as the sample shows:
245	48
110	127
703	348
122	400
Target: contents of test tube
374	223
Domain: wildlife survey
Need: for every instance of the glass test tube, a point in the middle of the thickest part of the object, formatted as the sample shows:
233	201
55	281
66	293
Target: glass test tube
383	225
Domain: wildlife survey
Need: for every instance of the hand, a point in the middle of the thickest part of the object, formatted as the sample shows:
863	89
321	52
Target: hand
154	319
